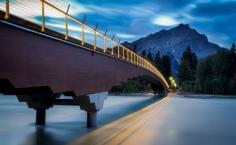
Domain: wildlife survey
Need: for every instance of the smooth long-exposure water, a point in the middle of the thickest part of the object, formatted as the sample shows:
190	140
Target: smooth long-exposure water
170	121
63	124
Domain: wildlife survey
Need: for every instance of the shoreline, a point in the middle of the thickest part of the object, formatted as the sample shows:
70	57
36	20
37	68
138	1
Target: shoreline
206	96
203	96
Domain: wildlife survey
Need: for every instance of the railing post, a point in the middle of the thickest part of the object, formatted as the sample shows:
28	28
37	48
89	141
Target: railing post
127	54
118	49
43	18
112	47
131	56
82	42
66	21
66	30
7	14
138	60
134	57
95	40
123	53
104	44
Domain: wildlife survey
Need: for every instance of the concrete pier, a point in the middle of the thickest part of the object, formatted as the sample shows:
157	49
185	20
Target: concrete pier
91	104
91	119
40	116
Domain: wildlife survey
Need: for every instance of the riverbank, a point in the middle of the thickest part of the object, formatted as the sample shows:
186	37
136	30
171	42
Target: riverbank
202	96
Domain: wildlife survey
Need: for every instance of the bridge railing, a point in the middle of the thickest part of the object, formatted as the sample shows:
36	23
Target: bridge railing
115	49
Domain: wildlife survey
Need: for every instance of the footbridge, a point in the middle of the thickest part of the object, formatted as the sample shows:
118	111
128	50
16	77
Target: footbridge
41	61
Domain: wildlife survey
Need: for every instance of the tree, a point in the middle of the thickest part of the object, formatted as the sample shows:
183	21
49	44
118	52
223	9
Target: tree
188	65
184	71
135	47
191	57
157	61
149	57
216	73
144	54
232	58
166	66
233	48
204	70
163	64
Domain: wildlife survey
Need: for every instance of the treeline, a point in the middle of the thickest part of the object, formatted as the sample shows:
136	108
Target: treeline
215	74
132	86
163	63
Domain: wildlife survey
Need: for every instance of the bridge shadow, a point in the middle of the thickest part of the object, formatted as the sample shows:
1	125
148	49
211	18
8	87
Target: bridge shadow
62	133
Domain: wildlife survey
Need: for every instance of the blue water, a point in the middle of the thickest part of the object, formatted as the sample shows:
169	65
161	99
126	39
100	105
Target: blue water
64	123
183	121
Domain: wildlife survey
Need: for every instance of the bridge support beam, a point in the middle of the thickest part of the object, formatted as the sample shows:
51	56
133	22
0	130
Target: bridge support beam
40	116
40	103
91	104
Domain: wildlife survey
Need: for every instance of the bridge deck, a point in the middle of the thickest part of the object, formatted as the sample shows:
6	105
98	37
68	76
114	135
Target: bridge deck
33	60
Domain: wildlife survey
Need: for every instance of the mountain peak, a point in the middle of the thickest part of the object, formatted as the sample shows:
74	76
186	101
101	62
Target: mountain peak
181	25
183	28
173	42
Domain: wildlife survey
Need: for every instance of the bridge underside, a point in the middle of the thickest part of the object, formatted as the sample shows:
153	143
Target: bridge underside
38	69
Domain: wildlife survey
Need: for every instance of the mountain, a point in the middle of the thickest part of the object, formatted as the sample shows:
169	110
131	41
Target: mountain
173	42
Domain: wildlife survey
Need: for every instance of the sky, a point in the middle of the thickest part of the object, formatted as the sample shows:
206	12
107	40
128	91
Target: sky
130	20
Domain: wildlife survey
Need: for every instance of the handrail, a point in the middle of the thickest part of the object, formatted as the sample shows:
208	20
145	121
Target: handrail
126	55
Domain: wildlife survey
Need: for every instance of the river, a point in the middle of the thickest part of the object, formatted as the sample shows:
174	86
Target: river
124	120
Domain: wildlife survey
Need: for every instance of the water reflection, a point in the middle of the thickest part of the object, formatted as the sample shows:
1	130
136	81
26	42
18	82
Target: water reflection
41	137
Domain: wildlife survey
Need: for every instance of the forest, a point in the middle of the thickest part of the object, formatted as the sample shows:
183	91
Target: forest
215	74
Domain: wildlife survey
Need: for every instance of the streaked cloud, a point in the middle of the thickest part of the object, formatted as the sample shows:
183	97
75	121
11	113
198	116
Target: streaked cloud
127	36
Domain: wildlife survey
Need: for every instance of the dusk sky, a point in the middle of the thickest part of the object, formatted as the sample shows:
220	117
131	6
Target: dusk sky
134	19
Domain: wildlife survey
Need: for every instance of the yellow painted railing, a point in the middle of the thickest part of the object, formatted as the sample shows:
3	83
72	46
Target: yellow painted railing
122	52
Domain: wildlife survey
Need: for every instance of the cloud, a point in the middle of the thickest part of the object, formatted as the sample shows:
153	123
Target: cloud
213	9
142	10
126	36
164	21
130	20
